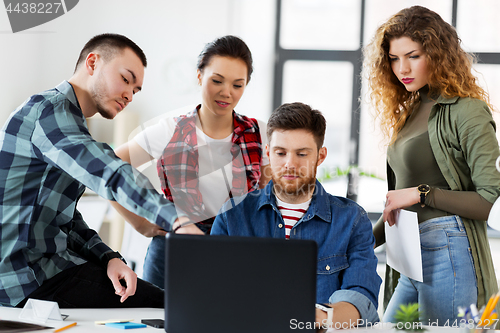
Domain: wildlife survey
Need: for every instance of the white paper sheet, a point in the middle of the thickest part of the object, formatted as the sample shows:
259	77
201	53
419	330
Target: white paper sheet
403	245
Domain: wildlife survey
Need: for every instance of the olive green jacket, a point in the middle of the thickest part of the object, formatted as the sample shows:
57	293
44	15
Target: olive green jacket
463	141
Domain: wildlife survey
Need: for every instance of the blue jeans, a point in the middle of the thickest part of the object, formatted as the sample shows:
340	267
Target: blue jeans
154	263
449	278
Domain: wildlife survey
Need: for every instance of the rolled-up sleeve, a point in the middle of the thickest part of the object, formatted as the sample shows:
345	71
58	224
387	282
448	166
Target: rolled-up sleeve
366	308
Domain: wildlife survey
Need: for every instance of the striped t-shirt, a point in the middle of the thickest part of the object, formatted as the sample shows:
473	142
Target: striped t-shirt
291	213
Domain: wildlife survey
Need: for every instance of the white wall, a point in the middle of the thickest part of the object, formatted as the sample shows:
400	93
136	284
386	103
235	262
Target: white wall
171	33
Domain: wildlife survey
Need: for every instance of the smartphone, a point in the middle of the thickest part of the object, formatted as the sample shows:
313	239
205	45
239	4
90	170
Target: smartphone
156	323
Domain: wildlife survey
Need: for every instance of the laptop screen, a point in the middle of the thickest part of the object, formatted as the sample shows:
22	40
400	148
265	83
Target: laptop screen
217	284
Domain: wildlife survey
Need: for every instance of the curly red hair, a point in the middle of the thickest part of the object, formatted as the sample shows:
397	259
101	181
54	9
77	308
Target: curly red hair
449	66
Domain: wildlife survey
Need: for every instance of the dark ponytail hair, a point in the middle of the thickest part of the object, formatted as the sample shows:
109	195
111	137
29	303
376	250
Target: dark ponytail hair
227	46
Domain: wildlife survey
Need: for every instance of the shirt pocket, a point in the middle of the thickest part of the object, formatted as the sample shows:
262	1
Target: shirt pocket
332	264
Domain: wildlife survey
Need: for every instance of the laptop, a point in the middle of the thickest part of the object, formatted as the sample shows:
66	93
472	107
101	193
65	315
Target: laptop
219	284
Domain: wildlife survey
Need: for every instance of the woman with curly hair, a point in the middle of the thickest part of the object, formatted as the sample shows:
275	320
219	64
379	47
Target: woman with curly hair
440	161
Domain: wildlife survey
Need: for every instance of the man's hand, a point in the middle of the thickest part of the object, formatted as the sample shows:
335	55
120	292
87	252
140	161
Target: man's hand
117	270
191	229
345	315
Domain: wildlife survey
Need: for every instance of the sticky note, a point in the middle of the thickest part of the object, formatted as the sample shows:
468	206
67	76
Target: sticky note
126	326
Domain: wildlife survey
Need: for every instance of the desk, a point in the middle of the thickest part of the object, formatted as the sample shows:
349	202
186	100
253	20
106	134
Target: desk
85	319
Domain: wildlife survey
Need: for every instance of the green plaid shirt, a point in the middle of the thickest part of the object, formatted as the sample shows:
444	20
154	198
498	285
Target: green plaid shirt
47	158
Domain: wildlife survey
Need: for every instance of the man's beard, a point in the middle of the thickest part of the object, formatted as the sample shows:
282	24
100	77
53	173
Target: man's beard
98	94
302	187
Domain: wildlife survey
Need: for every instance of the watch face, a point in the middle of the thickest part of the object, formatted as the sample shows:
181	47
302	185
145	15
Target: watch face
423	188
323	306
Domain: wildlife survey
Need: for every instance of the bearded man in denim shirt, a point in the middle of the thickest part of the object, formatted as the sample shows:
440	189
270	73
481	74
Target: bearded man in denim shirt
294	205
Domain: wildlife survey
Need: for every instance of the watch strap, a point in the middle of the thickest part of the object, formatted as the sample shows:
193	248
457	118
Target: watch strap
422	199
423	189
329	312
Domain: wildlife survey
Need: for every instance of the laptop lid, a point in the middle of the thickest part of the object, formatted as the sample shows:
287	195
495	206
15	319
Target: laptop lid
218	284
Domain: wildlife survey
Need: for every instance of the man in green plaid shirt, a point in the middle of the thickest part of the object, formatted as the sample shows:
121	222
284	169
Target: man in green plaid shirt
47	158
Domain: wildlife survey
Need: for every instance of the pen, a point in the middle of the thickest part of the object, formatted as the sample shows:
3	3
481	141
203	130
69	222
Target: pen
467	315
65	327
461	312
474	313
103	322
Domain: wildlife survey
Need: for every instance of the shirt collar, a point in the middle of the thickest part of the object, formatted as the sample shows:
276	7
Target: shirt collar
67	89
446	100
320	203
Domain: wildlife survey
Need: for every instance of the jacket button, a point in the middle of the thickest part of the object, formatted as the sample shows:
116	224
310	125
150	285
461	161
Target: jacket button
327	267
280	225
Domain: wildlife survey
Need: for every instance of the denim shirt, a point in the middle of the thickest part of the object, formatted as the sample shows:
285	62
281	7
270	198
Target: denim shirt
346	267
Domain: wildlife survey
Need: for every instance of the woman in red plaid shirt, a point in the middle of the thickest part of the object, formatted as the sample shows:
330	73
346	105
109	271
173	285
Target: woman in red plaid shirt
203	157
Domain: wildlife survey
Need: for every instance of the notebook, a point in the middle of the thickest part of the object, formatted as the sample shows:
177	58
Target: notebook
219	284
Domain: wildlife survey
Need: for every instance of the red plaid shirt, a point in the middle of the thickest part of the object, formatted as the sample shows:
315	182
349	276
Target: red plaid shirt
178	166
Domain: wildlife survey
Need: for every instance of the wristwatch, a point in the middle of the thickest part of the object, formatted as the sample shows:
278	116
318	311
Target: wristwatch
423	189
329	311
106	257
